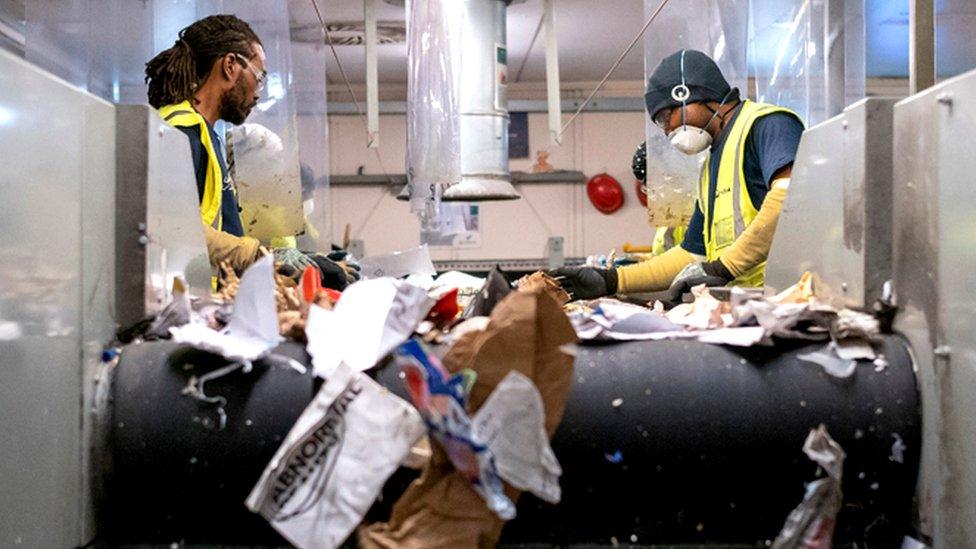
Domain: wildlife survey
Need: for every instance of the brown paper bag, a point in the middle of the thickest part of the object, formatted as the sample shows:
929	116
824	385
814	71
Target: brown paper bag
441	509
540	279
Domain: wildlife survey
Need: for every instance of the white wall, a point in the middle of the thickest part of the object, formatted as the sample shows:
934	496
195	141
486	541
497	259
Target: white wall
595	143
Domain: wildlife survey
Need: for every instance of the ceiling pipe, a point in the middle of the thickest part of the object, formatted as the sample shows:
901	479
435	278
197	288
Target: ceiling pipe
372	79
483	106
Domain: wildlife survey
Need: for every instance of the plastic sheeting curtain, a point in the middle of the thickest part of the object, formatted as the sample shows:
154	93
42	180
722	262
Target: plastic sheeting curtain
309	85
100	46
718	28
433	113
788	42
103	45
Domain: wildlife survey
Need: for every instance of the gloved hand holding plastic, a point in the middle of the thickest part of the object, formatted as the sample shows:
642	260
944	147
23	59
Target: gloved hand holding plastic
586	282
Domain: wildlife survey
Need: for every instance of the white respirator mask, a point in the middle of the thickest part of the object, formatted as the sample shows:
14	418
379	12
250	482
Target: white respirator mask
690	139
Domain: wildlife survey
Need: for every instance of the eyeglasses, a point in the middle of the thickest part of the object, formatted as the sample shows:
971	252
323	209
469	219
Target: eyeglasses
662	117
260	78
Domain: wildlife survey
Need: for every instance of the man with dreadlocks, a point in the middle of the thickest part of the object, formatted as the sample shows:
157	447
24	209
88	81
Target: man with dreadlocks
213	71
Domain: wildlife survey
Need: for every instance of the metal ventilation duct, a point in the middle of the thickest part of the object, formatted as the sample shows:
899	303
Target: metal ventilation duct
484	105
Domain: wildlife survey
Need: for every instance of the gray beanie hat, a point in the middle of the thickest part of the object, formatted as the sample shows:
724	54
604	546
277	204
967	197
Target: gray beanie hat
702	81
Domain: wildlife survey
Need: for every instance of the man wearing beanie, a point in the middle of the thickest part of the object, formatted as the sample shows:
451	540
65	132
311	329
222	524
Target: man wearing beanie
751	147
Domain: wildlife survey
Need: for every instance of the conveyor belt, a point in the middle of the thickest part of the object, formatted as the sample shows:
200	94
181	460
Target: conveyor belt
704	446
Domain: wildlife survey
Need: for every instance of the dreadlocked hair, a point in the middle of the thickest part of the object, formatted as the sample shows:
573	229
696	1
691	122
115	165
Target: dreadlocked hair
174	74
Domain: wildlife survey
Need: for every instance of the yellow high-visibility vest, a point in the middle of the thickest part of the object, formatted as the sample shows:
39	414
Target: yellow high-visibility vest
666	238
733	210
184	116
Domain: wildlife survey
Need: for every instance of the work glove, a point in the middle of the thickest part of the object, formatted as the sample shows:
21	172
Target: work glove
292	259
348	264
586	282
334	275
711	273
239	251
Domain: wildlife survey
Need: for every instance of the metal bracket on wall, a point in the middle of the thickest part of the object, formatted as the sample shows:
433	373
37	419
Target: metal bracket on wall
507	265
554	251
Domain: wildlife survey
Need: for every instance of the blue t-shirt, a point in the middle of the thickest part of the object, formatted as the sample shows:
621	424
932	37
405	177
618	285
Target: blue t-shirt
229	211
770	145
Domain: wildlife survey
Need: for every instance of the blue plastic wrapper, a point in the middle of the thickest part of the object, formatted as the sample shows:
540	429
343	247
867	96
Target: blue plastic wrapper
441	399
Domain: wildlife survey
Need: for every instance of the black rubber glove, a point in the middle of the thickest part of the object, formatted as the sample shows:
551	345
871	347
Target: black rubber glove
712	273
346	261
586	282
333	275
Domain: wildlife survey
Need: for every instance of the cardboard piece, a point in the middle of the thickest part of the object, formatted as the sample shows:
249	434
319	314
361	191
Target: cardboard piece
441	509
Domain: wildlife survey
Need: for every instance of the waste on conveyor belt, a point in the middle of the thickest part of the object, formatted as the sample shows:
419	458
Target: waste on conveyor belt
484	364
746	319
479	420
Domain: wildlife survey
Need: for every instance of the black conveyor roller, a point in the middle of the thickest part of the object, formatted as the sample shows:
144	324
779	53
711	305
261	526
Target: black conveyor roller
703	445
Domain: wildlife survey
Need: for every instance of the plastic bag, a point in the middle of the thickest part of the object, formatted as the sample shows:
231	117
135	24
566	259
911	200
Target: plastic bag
433	113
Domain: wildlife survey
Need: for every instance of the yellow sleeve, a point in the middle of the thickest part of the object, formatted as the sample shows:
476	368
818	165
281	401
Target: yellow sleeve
752	246
654	274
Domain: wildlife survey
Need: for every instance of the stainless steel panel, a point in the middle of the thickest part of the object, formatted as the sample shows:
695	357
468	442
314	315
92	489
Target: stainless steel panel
867	192
97	285
56	180
159	233
836	219
934	258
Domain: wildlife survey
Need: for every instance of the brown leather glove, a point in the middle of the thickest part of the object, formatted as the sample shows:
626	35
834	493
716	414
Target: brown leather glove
239	251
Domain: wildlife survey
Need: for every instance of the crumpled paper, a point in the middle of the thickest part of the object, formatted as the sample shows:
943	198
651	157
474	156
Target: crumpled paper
441	509
811	523
370	319
541	280
253	328
704	313
610	319
176	313
831	363
407	262
798	312
512	424
335	460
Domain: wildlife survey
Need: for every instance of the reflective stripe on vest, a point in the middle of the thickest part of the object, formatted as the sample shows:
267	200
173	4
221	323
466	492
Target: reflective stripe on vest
733	211
182	115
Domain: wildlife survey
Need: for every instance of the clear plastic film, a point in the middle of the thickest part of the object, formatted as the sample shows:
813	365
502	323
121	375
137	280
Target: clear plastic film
309	83
264	163
718	29
103	46
99	46
433	113
788	54
855	52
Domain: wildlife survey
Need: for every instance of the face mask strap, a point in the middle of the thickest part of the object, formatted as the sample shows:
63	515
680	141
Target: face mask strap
684	102
715	112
